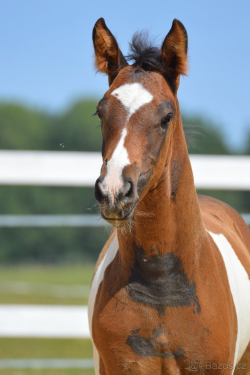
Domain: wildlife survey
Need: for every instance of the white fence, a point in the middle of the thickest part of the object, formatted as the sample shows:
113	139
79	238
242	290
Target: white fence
44	321
82	169
61	220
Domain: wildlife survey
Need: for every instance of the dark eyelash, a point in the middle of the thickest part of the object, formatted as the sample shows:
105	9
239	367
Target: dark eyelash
95	113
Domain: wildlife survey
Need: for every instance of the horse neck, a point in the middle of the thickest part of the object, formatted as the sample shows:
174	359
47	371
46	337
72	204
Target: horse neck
168	218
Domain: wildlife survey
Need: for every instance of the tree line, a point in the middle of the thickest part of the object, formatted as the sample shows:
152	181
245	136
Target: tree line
24	128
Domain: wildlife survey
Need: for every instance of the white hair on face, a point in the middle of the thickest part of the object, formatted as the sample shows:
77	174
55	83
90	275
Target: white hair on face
113	179
133	96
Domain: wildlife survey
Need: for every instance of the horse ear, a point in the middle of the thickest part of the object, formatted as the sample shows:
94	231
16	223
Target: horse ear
174	51
108	57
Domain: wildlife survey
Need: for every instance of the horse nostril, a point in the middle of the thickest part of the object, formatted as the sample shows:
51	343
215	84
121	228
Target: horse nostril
128	190
99	195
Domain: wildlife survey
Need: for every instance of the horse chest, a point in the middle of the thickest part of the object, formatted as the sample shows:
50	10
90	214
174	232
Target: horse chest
151	316
134	337
160	282
150	312
155	283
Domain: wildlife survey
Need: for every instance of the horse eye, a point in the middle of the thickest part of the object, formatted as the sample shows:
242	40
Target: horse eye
166	121
97	113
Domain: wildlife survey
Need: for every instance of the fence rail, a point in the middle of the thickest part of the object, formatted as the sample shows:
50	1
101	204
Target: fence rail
52	221
62	168
81	169
44	321
62	220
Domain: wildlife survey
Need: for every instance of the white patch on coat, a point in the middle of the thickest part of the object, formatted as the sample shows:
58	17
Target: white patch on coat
133	96
240	288
113	179
98	277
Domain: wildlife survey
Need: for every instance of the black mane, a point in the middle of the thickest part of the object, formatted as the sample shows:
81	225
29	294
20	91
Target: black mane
146	56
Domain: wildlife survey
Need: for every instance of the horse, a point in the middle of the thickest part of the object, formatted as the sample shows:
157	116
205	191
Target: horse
171	289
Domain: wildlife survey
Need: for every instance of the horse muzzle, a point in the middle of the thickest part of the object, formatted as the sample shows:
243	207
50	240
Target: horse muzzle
117	206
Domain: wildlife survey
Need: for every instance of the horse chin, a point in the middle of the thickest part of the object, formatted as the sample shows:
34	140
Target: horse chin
121	222
118	223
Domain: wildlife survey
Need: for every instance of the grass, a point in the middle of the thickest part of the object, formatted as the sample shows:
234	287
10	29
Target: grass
45	348
65	275
21	348
45	276
48	372
33	299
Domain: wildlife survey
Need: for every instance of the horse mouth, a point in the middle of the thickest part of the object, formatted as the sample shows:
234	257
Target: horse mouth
119	222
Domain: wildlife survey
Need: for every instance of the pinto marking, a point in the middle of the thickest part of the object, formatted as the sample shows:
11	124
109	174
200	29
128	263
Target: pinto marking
113	180
240	287
133	96
98	277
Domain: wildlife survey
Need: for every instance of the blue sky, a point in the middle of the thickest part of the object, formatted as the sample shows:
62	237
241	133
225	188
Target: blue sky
47	54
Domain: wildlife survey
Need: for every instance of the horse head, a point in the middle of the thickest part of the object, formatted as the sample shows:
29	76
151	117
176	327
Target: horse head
139	115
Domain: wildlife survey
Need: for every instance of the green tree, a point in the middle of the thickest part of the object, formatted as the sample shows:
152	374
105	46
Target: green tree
24	128
78	129
247	142
204	137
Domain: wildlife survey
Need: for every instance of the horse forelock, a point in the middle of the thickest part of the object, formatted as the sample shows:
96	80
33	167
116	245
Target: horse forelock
144	54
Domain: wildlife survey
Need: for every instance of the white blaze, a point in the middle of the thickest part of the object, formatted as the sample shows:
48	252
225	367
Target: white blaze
240	288
113	179
133	96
